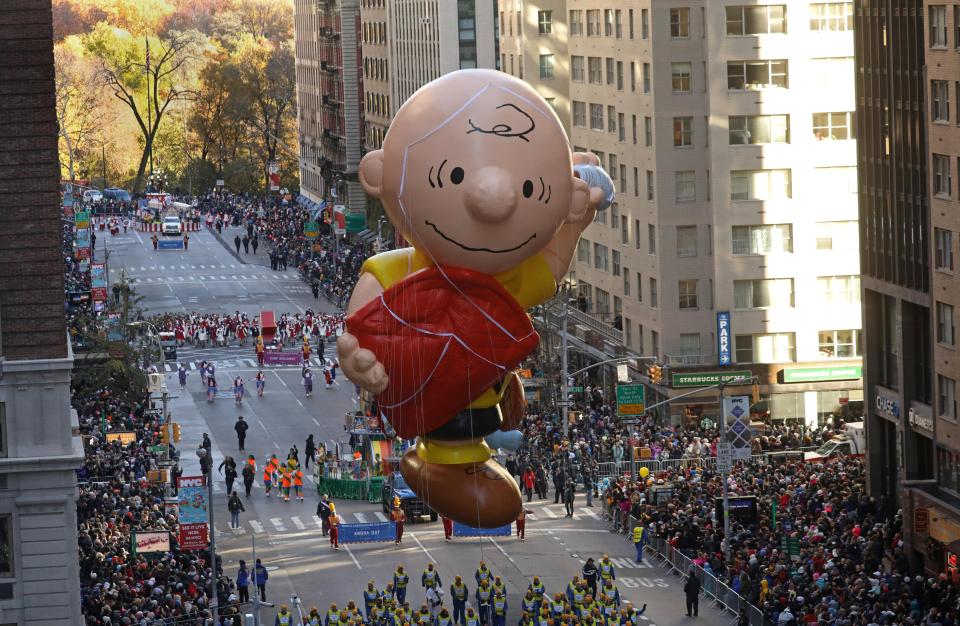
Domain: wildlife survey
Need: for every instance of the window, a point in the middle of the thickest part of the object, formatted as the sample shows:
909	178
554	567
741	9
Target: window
611	78
680	77
583	251
941	175
840	344
626	281
639	287
653	293
759	129
838	236
519	23
756	20
943	240
636	234
837	126
544	22
593	22
687	294
831	17
835	181
614	209
6	545
762	239
600	259
608	22
646	78
612	128
636	183
576	69
627	326
682	132
753	75
616	263
623	179
839	289
630	24
956	26
633	76
649	185
687	241
759	184
618	21
546	66
644	24
651	239
619	75
624	230
763	293
769	348
945	327
680	23
596	117
602	305
655	342
576	22
595	70
947	405
579	114
622	135
3	435
685	186
938	26
940	100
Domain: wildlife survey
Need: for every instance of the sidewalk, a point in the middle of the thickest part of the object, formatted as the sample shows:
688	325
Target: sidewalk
261	258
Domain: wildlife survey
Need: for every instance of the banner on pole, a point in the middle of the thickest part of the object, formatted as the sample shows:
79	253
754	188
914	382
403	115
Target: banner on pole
736	412
274	170
82	219
368	533
192	512
462	530
98	282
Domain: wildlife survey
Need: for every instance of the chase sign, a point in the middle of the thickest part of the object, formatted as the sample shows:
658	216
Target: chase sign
887	404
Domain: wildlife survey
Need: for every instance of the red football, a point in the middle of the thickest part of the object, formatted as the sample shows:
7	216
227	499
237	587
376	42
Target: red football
444	337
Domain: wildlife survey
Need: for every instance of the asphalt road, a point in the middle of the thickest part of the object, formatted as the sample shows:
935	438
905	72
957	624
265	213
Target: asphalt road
287	535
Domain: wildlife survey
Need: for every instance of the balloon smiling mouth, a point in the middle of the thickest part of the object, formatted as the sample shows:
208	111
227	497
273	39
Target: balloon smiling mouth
472	249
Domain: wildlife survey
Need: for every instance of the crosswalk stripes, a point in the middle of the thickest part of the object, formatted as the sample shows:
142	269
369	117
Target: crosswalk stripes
361	517
296	522
317	521
590	512
278	524
380	516
256	526
548	512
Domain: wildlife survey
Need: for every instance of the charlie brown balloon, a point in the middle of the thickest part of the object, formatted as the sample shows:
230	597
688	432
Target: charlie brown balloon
477	174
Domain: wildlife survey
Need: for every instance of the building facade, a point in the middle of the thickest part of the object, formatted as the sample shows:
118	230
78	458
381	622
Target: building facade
731	250
408	43
329	101
40	446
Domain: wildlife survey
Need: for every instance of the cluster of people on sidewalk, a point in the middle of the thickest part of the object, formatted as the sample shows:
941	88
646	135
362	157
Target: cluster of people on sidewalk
591	598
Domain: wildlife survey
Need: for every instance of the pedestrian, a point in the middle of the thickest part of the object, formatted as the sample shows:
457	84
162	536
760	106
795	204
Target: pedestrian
334	522
398	517
206	444
249	472
243	583
236	243
309	451
590	573
308	382
400	581
186	241
235	506
315	289
155	240
447	527
568	495
691	589
261	380
231	473
323	512
638	541
255	243
182	375
522	523
260	577
284	617
435	600
241	428
246	245
529	478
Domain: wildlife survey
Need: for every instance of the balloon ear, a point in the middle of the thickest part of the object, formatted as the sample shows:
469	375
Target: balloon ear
579	201
371	173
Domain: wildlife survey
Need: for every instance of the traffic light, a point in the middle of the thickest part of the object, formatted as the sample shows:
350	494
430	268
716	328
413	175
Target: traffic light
176	432
655	372
164	434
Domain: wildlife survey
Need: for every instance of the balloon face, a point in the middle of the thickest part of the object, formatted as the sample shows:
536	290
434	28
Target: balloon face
489	185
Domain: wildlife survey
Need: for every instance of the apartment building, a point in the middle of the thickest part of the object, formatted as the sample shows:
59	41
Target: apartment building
732	247
329	106
40	445
408	43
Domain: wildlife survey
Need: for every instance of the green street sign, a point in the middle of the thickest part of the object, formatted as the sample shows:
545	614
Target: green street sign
574	389
82	219
311	230
630	400
818	374
160	449
705	379
356	222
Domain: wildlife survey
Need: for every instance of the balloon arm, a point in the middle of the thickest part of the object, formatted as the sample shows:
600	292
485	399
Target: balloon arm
367	288
559	252
509	440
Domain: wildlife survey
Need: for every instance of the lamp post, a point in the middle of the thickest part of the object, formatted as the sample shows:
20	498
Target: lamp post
202	455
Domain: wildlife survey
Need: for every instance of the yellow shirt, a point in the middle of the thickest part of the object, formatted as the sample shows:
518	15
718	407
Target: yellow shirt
530	283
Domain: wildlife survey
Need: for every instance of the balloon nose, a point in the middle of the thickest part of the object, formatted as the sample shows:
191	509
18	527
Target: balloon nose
490	195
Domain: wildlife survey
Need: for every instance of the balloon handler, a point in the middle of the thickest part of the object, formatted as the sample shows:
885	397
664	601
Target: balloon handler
477	174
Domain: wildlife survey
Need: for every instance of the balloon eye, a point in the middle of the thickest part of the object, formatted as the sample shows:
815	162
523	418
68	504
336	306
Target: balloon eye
527	188
456	175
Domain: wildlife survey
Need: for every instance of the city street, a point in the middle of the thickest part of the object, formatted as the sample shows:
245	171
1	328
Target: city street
208	278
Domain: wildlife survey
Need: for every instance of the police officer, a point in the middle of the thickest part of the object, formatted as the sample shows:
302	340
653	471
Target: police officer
400	581
458	595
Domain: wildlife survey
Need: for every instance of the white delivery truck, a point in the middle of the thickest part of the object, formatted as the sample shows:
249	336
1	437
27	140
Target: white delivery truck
851	442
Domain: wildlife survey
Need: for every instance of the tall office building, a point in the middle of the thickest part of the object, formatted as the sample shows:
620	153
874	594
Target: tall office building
329	92
408	43
731	248
40	446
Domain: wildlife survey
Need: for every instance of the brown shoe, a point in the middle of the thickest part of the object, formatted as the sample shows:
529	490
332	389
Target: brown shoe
479	494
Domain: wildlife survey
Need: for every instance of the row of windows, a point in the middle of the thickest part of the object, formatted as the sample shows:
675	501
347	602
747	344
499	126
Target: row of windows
373	33
375	69
740	20
378	104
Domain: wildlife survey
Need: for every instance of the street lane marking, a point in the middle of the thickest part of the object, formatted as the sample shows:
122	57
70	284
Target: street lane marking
548	512
296	522
361	518
316	518
380	516
350	552
425	551
278	523
256	526
500	548
590	512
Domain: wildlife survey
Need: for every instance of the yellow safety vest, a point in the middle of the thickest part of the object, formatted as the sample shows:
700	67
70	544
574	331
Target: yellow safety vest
606	569
430	578
459	592
284	619
637	534
500	606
